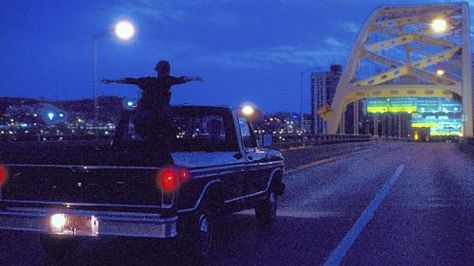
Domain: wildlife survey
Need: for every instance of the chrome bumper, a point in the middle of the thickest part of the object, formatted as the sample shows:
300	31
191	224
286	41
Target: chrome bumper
123	224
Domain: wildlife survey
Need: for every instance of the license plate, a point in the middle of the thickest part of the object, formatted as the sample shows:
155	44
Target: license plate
67	224
79	223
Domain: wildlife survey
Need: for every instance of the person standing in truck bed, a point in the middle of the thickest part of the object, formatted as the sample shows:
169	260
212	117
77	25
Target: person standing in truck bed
153	121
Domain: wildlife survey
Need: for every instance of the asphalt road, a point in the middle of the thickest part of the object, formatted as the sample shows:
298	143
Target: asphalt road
388	204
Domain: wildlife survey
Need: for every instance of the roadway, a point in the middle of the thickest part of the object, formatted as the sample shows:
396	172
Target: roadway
386	204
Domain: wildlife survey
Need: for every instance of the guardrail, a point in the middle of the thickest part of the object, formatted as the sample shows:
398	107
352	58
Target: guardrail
310	140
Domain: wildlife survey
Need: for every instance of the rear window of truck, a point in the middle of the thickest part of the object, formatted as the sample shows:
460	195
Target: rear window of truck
195	130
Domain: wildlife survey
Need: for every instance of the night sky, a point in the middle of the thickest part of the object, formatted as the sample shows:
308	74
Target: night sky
245	50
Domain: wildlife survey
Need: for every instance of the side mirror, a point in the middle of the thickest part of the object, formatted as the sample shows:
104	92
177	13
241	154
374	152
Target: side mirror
267	140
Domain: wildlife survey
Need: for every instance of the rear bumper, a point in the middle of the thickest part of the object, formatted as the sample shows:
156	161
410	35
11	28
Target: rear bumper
123	224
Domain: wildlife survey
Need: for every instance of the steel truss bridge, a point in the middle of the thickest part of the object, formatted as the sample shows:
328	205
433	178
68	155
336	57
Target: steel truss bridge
409	51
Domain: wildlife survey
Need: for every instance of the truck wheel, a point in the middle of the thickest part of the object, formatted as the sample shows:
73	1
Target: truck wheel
265	211
203	233
59	246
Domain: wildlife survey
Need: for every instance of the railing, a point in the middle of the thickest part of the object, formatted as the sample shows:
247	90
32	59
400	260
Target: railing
310	140
295	141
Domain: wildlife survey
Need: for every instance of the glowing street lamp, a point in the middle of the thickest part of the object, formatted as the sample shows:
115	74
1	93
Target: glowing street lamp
439	72
124	30
439	25
248	110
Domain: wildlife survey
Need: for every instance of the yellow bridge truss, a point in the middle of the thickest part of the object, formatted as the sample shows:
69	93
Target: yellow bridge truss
412	58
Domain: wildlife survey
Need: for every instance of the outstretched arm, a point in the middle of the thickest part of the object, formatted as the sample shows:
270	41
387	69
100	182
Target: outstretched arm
134	81
184	79
196	78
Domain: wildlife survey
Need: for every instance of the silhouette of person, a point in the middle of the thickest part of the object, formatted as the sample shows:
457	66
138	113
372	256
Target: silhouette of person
153	118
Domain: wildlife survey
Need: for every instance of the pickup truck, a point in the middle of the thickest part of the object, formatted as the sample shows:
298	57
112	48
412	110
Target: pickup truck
67	190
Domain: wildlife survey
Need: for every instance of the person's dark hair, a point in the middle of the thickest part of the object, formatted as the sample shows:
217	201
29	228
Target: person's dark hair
163	67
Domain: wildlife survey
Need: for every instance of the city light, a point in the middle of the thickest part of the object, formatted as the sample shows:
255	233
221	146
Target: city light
439	25
416	136
124	30
440	72
51	116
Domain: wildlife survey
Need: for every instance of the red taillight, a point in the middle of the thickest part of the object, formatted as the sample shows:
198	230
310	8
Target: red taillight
170	178
3	175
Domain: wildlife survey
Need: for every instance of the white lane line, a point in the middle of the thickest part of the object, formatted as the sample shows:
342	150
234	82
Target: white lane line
338	254
323	161
296	213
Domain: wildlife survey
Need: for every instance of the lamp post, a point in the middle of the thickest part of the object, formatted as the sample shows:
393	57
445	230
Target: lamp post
124	30
302	73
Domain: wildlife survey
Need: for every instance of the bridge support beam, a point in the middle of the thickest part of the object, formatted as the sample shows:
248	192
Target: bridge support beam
356	118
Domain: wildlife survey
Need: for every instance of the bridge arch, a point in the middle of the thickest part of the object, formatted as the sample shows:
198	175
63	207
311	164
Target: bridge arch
408	53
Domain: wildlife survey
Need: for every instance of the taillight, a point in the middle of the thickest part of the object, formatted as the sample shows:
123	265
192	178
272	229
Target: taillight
169	179
3	175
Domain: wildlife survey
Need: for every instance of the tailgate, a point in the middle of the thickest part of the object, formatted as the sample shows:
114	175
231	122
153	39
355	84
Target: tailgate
82	184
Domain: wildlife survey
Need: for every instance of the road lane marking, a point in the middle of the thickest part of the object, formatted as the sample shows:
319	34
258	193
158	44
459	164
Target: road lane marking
296	213
341	250
323	161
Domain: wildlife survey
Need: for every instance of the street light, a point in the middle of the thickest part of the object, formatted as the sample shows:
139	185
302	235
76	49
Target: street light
124	30
248	110
439	72
439	25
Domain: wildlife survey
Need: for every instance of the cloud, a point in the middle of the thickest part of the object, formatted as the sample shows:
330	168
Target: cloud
332	52
349	27
167	12
332	42
164	14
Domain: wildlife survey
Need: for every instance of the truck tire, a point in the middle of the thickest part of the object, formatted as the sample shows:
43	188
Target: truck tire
202	233
59	246
265	211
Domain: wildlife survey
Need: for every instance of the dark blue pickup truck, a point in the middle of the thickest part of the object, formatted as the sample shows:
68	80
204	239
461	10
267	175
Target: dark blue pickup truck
66	190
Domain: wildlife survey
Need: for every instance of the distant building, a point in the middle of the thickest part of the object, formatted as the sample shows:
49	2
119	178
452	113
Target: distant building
307	123
280	123
323	89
